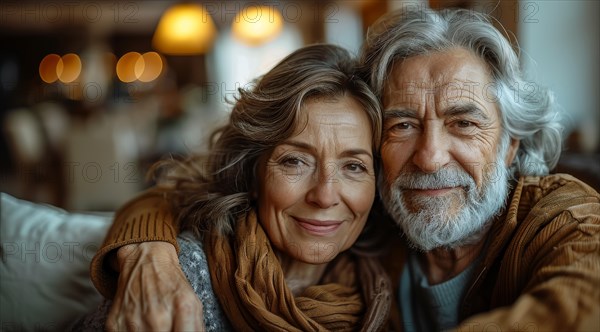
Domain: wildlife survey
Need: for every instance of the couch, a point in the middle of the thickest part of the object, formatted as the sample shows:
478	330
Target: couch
44	271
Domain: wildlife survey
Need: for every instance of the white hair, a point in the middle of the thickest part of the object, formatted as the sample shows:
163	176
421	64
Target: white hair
528	111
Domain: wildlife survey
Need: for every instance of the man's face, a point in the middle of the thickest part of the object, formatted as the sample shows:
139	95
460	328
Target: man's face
441	148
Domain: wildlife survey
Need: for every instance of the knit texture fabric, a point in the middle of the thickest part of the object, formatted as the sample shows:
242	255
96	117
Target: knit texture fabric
146	218
354	294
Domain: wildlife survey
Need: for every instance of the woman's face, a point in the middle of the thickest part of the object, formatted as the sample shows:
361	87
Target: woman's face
317	187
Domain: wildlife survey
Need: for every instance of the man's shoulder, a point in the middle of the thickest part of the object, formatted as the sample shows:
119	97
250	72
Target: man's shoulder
547	213
551	195
557	185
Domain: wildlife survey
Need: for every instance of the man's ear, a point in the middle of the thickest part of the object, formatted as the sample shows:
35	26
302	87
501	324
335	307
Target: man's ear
512	151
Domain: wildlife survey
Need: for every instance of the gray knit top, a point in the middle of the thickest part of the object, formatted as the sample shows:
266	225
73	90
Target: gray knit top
195	266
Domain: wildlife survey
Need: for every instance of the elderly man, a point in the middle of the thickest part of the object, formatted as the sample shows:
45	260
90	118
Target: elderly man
460	133
489	241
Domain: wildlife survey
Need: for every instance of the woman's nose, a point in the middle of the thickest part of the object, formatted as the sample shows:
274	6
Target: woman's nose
324	191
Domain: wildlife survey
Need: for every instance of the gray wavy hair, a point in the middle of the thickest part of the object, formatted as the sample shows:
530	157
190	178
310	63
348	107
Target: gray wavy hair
212	191
528	111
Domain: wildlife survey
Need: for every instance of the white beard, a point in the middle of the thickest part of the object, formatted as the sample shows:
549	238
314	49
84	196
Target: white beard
452	220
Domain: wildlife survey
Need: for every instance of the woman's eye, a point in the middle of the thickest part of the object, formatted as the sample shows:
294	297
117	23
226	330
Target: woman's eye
356	167
292	162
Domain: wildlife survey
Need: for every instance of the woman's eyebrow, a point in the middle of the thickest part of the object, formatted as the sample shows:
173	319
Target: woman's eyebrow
308	147
298	144
355	152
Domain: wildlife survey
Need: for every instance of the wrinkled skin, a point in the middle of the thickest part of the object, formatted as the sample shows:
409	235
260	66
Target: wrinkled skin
147	269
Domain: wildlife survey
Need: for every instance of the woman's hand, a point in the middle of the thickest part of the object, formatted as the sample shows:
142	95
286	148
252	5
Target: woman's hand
153	293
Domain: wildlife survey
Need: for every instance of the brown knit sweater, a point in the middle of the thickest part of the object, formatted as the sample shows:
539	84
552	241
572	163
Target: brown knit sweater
147	217
541	271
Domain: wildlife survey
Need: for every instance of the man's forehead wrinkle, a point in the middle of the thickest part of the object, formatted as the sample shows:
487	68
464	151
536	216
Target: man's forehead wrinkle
440	83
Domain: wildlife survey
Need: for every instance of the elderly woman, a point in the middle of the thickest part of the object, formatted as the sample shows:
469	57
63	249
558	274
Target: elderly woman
286	190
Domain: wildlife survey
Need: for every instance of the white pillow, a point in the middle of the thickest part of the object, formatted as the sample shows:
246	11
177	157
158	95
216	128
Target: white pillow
44	272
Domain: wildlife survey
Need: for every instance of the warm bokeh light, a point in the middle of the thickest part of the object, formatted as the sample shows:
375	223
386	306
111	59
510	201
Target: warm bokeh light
69	68
185	29
255	25
148	67
135	66
48	67
126	67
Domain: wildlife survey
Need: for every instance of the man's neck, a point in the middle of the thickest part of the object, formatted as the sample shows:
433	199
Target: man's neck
442	264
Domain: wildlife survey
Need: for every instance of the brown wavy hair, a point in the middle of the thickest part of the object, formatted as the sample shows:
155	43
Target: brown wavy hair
213	190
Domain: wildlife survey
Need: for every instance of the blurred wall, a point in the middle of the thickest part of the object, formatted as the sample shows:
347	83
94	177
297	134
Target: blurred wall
560	43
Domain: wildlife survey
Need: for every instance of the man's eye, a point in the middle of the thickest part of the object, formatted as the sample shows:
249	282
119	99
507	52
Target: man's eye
464	124
403	126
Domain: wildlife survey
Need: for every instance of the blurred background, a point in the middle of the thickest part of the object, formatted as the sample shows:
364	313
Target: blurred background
93	92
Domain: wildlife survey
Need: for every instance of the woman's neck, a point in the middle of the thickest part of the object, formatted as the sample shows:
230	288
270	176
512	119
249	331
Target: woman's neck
299	275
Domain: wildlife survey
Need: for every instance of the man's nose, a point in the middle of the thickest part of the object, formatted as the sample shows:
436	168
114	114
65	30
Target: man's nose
432	150
324	191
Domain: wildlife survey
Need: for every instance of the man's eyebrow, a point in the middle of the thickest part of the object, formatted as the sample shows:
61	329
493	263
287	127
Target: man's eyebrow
467	109
400	113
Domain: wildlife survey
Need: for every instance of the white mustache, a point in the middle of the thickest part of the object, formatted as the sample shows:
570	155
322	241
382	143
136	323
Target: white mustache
444	178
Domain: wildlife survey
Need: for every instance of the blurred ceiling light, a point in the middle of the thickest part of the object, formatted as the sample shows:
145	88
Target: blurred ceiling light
69	68
48	67
255	25
126	67
148	67
185	29
143	67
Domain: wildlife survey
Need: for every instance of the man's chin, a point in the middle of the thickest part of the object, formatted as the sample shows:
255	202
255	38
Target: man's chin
428	232
447	207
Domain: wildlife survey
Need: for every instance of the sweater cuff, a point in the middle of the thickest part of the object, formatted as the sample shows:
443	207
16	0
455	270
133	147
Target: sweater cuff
147	218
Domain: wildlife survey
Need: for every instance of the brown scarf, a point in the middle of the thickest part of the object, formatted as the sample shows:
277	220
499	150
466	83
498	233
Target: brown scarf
354	294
